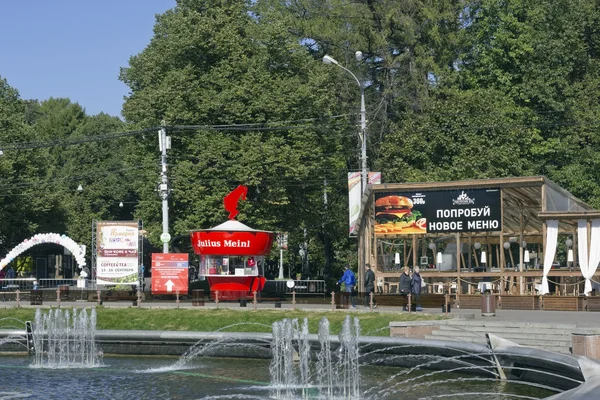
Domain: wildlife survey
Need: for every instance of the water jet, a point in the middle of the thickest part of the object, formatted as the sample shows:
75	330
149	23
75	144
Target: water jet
290	363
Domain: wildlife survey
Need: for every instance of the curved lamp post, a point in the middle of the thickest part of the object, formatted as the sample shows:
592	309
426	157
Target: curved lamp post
363	116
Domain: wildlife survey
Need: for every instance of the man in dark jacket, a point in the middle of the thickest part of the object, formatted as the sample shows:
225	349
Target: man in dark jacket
405	286
416	283
369	285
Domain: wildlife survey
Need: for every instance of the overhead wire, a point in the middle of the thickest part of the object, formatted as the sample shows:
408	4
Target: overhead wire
331	121
276	125
54	181
71	141
287	125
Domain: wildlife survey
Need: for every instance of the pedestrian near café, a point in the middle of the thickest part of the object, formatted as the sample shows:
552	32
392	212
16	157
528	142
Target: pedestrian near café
369	285
416	284
349	281
405	286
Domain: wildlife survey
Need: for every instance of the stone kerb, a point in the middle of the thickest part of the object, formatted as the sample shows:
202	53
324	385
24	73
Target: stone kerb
586	345
421	329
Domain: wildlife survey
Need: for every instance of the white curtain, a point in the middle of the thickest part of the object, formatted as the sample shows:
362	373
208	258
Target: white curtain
588	264
549	251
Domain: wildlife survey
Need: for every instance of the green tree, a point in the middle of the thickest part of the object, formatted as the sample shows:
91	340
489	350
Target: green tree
544	55
462	135
23	210
228	64
105	169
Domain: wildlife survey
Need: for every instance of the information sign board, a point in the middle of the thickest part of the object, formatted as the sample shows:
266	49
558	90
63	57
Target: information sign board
169	273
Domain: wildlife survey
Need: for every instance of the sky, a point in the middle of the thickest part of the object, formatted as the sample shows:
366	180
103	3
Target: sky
74	48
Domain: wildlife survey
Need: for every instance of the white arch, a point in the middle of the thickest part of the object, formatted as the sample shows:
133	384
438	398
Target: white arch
41	238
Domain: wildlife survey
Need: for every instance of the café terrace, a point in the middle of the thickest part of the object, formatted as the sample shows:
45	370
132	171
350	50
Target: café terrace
523	236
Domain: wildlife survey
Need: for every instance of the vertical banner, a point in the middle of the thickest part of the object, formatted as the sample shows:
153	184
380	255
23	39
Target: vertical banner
282	242
117	252
355	195
169	273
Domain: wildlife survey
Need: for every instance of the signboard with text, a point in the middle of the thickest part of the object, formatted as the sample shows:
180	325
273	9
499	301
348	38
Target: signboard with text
444	211
232	243
116	248
169	273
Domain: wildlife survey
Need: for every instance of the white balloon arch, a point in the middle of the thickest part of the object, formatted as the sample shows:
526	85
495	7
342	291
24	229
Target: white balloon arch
40	238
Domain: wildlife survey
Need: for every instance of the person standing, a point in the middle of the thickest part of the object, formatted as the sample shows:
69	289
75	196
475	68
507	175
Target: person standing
416	284
349	281
369	285
405	285
10	274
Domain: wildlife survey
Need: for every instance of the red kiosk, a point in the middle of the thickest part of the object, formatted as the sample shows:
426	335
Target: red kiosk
232	254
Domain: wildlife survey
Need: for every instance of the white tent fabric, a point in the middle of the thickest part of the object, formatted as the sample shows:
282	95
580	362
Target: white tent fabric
588	263
582	245
549	251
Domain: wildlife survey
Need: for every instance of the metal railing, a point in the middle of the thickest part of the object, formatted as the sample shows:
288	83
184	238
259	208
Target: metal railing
301	286
11	285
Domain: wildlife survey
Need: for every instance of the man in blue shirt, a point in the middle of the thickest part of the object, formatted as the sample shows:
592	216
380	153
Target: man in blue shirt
349	281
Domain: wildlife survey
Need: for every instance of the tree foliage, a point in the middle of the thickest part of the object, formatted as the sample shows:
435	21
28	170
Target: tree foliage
454	90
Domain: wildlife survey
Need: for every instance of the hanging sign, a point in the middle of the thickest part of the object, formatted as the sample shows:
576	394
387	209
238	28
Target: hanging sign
169	273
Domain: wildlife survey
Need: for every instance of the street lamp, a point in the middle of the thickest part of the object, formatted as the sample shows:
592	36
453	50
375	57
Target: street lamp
363	115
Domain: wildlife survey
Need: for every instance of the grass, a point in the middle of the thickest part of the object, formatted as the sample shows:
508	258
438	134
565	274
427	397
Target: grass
213	319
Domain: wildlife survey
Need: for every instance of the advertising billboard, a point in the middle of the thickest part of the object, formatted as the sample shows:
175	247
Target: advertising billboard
117	252
442	211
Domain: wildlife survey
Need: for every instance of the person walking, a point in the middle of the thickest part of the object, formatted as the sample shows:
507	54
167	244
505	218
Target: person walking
416	284
405	286
369	286
349	281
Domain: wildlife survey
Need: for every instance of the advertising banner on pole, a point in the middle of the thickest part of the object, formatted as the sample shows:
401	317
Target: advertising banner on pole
117	252
169	273
355	195
282	240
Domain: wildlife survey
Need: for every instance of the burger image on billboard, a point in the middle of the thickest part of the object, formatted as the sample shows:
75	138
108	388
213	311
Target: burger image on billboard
395	214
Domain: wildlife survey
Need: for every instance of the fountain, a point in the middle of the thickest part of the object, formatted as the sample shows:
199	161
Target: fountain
65	339
288	364
335	375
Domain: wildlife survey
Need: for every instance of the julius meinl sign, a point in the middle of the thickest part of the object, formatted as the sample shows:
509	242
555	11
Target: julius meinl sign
462	210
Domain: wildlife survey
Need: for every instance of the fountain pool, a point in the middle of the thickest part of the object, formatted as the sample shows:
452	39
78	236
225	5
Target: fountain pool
226	378
290	363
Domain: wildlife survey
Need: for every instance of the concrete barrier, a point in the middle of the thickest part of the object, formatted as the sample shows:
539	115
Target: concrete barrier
586	345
